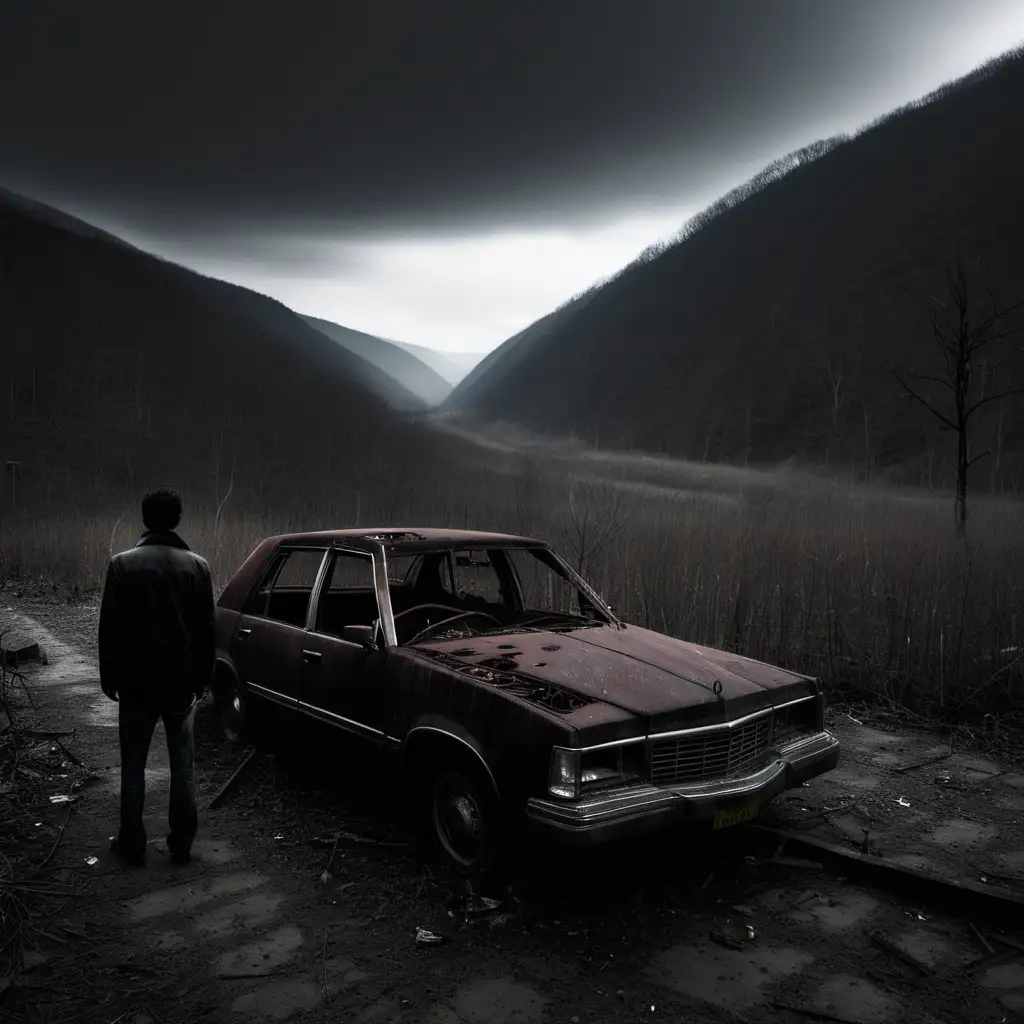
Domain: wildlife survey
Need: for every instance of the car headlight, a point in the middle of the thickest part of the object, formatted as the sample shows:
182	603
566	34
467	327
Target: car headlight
576	772
800	717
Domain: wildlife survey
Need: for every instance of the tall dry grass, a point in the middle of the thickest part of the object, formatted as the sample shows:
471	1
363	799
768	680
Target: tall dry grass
866	589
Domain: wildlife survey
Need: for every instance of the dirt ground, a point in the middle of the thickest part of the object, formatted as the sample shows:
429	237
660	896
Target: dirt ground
274	920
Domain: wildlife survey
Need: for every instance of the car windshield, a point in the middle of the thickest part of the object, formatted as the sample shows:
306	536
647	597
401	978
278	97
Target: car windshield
438	595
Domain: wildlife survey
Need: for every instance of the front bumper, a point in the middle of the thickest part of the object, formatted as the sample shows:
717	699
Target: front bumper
632	810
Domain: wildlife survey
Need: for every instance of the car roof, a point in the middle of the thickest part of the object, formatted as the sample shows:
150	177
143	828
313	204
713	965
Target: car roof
408	539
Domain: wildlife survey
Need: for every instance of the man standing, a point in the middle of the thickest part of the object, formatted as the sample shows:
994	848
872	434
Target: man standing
156	640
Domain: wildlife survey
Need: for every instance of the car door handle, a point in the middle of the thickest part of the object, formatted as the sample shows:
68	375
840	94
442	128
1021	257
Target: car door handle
243	634
310	655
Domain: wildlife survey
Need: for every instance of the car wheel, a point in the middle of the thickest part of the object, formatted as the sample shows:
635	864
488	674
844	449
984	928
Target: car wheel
463	820
236	715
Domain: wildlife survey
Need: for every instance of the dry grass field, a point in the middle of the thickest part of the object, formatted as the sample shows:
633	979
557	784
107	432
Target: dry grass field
866	588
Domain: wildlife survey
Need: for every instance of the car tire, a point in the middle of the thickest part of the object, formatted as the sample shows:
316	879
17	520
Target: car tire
463	819
237	715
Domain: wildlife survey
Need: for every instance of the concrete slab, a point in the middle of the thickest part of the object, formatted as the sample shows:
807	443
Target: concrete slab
185	898
246	914
264	955
835	914
492	1001
962	833
1006	982
731	979
856	1000
926	945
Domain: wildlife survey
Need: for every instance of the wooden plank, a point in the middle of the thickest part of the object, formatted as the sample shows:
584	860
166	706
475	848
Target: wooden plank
992	898
232	780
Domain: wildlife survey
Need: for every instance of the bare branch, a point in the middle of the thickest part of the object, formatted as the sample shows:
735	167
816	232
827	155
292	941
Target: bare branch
931	408
982	455
991	398
938	380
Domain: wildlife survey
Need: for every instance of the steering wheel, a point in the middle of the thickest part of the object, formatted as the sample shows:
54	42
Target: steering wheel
453	618
547	615
424	607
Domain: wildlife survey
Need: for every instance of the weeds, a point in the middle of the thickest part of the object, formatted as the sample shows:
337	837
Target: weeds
866	588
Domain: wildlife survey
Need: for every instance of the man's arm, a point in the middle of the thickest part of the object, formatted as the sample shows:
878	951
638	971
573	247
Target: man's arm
111	632
205	638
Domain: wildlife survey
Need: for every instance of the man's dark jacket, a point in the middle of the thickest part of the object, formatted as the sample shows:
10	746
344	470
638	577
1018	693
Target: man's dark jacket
156	633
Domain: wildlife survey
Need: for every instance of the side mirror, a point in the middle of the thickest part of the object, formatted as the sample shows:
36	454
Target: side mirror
362	635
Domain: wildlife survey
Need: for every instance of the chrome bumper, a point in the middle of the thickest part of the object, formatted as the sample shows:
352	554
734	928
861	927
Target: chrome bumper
635	809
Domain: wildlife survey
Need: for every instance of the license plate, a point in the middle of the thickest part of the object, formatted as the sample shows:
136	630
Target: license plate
726	816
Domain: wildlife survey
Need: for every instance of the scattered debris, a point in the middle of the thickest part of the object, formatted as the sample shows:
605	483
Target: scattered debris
703	885
927	761
232	780
425	937
92	860
726	941
803	897
325	875
979	935
46	734
16	649
356	840
903	802
797	862
61	798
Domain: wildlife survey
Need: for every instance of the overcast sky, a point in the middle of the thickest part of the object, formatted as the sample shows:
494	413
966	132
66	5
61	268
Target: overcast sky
442	172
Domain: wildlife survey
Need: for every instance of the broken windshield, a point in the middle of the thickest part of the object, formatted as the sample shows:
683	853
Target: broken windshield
442	594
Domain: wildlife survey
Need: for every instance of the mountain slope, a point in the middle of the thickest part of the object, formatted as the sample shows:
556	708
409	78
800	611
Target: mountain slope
415	381
123	371
764	331
452	366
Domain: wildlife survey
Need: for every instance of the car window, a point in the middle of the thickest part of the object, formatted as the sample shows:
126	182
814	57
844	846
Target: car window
283	594
475	576
400	567
349	570
299	570
544	590
349	597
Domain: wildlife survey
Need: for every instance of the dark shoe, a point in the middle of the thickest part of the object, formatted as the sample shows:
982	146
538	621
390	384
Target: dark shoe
133	858
179	854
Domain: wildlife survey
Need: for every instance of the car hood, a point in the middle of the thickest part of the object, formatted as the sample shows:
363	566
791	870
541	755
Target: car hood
667	682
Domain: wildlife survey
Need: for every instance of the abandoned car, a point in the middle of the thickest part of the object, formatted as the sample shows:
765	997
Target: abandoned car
508	686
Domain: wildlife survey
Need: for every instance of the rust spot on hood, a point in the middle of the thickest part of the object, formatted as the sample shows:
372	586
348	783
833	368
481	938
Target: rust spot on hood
542	694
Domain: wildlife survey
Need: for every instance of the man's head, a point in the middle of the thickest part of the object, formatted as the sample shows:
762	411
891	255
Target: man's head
161	509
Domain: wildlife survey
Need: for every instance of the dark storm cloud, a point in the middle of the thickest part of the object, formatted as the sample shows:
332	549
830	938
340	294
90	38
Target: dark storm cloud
415	114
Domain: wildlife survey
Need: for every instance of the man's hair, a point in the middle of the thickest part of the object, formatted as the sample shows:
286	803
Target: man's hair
161	509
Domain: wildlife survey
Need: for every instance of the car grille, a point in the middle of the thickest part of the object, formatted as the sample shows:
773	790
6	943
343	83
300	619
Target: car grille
716	754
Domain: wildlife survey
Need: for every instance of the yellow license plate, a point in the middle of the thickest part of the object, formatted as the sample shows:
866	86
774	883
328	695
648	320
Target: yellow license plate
726	816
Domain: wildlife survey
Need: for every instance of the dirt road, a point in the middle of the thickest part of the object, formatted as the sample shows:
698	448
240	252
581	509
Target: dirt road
273	920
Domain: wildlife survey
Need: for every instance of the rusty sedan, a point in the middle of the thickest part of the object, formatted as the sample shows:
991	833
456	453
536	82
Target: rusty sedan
508	687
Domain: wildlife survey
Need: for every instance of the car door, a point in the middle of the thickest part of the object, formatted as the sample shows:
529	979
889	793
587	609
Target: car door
341	679
267	649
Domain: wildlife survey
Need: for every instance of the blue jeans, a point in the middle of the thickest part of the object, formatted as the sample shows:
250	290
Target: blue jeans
135	729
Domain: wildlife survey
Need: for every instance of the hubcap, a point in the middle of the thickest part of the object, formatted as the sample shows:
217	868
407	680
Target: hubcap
459	819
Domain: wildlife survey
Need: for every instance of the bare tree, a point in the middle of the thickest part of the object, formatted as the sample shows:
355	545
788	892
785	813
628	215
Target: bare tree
593	522
832	380
963	332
